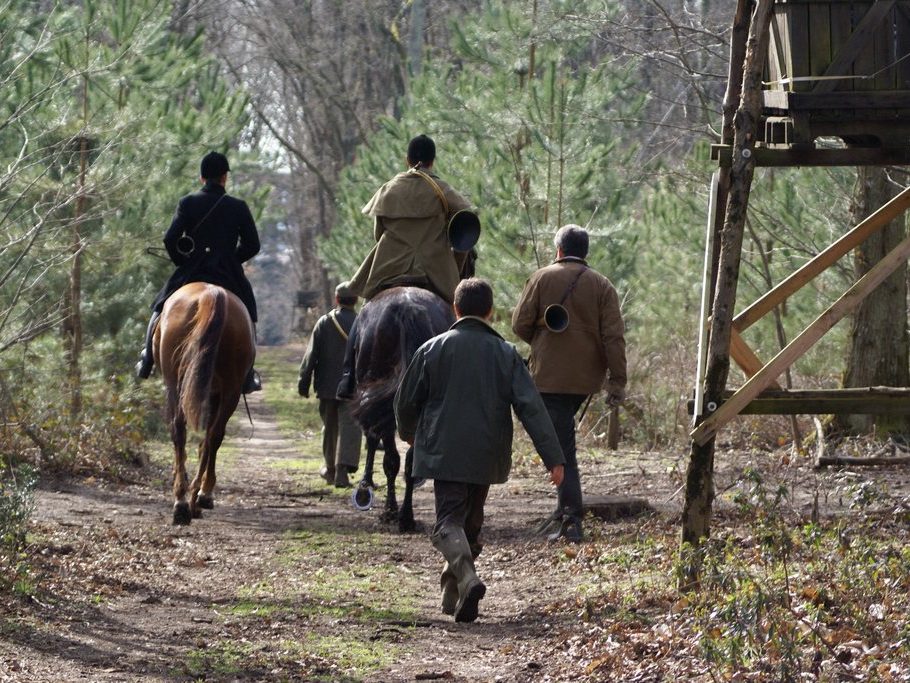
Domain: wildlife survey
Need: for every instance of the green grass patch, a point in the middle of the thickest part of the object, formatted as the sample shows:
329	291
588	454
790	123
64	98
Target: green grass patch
295	415
353	654
223	659
348	576
254	608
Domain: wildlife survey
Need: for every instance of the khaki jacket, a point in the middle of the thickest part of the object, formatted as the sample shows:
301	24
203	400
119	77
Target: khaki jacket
592	348
456	400
412	247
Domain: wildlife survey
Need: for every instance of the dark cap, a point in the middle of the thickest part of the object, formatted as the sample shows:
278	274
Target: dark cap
422	150
214	165
344	291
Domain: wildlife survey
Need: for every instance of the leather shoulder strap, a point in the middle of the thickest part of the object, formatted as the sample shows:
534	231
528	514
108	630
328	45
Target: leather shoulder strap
338	326
438	190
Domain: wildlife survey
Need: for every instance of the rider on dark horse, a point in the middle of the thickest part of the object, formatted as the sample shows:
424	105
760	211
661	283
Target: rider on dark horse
211	236
410	214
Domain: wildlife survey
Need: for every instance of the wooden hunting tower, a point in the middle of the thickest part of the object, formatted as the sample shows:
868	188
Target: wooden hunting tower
817	83
836	69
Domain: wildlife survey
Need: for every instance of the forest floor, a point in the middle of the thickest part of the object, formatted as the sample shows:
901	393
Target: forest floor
284	580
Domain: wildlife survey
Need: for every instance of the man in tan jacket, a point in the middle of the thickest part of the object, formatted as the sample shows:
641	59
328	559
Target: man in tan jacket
568	365
410	214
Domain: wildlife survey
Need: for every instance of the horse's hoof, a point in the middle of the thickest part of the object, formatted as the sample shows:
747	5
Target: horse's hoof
182	516
407	526
197	512
205	501
389	516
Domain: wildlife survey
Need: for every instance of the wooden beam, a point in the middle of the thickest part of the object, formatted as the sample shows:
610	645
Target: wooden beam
803	342
785	102
824	260
854	401
860	38
813	156
708	268
744	356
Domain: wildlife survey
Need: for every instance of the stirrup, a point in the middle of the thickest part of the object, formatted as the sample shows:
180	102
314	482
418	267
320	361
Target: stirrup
252	382
144	366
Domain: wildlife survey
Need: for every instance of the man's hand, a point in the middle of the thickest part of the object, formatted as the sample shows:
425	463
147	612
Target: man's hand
303	388
556	475
615	397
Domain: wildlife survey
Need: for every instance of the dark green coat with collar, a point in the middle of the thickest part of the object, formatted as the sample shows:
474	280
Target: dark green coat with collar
456	399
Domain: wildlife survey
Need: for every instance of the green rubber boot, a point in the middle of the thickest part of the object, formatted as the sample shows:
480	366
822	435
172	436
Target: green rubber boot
452	542
449	585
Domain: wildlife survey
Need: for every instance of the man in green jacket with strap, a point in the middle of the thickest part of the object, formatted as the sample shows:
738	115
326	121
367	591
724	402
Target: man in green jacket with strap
341	435
454	406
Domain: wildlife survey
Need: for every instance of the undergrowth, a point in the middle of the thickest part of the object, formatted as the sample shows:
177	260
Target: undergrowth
781	597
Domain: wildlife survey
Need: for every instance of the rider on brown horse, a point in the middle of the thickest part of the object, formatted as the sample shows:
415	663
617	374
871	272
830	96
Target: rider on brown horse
410	214
211	236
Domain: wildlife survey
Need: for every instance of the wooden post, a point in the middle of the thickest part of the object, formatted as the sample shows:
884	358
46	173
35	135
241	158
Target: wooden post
700	474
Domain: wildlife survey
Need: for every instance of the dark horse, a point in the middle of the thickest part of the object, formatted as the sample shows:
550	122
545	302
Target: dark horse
204	346
389	329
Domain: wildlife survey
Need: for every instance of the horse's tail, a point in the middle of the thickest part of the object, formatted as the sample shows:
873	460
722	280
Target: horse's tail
373	405
414	322
200	356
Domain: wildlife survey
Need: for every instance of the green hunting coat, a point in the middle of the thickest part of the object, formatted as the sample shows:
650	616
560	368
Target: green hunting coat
412	247
324	358
455	402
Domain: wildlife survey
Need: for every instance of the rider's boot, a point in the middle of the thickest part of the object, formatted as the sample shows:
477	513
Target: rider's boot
251	382
146	357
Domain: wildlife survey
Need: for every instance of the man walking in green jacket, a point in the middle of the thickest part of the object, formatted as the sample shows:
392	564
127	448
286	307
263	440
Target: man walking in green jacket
341	435
454	406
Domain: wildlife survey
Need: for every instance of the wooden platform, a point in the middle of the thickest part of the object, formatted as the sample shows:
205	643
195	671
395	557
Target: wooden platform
859	401
809	155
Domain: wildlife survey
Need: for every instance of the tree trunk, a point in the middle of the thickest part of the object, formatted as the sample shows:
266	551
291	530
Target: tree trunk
879	352
696	516
72	325
415	36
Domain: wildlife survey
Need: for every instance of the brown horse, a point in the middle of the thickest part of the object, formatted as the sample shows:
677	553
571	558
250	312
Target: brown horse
204	346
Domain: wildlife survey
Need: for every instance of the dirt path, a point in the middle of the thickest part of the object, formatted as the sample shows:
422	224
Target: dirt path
284	580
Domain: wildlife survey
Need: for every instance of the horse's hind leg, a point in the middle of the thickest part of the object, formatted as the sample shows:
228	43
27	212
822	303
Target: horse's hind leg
391	463
182	513
406	515
204	484
372	445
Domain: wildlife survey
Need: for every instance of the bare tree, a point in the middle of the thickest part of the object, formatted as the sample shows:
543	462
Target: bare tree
320	75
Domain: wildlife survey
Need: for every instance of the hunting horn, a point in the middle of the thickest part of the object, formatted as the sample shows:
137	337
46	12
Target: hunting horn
185	245
555	318
464	230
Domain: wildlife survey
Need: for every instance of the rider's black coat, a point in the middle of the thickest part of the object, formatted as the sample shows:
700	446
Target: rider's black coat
225	236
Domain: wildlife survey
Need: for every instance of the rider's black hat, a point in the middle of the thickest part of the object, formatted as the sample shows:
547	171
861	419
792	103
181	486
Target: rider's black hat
214	165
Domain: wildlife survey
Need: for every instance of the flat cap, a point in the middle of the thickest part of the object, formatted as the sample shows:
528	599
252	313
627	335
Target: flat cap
344	291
